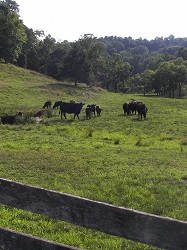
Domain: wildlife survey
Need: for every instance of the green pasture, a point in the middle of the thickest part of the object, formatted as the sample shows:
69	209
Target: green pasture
117	159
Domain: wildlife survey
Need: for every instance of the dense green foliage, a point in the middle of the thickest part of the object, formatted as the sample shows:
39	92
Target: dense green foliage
12	31
117	159
118	64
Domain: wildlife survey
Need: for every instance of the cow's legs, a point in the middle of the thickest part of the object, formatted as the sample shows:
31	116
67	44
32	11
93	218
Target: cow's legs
63	115
76	115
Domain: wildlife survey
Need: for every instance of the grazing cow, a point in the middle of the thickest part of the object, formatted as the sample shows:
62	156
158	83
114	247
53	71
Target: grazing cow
92	108
126	108
98	110
8	119
57	104
88	112
142	110
47	104
143	113
71	108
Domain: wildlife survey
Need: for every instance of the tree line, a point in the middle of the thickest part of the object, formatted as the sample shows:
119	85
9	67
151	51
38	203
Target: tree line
118	64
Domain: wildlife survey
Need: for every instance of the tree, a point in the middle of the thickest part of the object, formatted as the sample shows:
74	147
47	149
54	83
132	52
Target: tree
115	72
138	55
81	62
162	77
180	74
45	47
12	31
74	64
12	5
182	53
28	58
133	84
169	77
146	80
154	61
104	70
55	64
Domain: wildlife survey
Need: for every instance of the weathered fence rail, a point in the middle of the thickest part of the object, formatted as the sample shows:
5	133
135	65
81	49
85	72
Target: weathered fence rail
142	227
11	240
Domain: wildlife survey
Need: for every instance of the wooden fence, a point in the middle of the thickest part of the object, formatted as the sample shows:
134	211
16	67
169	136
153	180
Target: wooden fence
142	227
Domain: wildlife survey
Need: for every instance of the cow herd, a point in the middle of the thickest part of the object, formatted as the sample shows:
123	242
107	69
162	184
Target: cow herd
72	107
92	109
75	108
134	107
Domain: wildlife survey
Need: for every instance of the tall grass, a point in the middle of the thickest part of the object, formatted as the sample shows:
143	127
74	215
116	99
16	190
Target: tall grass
117	159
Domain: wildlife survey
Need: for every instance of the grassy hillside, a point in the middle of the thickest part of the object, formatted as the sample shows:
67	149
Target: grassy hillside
117	159
24	89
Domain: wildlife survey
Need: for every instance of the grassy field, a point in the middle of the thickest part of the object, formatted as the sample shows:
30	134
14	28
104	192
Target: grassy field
117	159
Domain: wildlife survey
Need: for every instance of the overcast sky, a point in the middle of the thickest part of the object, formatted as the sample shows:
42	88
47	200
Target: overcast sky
70	19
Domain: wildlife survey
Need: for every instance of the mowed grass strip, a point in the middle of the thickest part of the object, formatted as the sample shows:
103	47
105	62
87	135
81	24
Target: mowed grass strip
117	159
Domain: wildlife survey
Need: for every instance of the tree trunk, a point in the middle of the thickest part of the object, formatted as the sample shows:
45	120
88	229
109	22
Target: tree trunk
179	90
115	87
173	93
169	93
75	82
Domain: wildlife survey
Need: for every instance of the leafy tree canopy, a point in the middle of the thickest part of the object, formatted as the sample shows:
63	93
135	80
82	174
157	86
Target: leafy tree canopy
12	31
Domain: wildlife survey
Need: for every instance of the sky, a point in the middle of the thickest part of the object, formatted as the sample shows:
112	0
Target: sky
71	19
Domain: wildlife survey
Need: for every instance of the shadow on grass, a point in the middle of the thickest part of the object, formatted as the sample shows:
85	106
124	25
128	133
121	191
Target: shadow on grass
70	120
133	117
151	95
137	119
59	86
63	121
126	116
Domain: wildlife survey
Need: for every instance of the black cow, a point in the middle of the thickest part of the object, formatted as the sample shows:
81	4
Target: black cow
8	119
88	112
47	104
92	108
142	110
57	104
71	108
126	108
98	110
133	106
